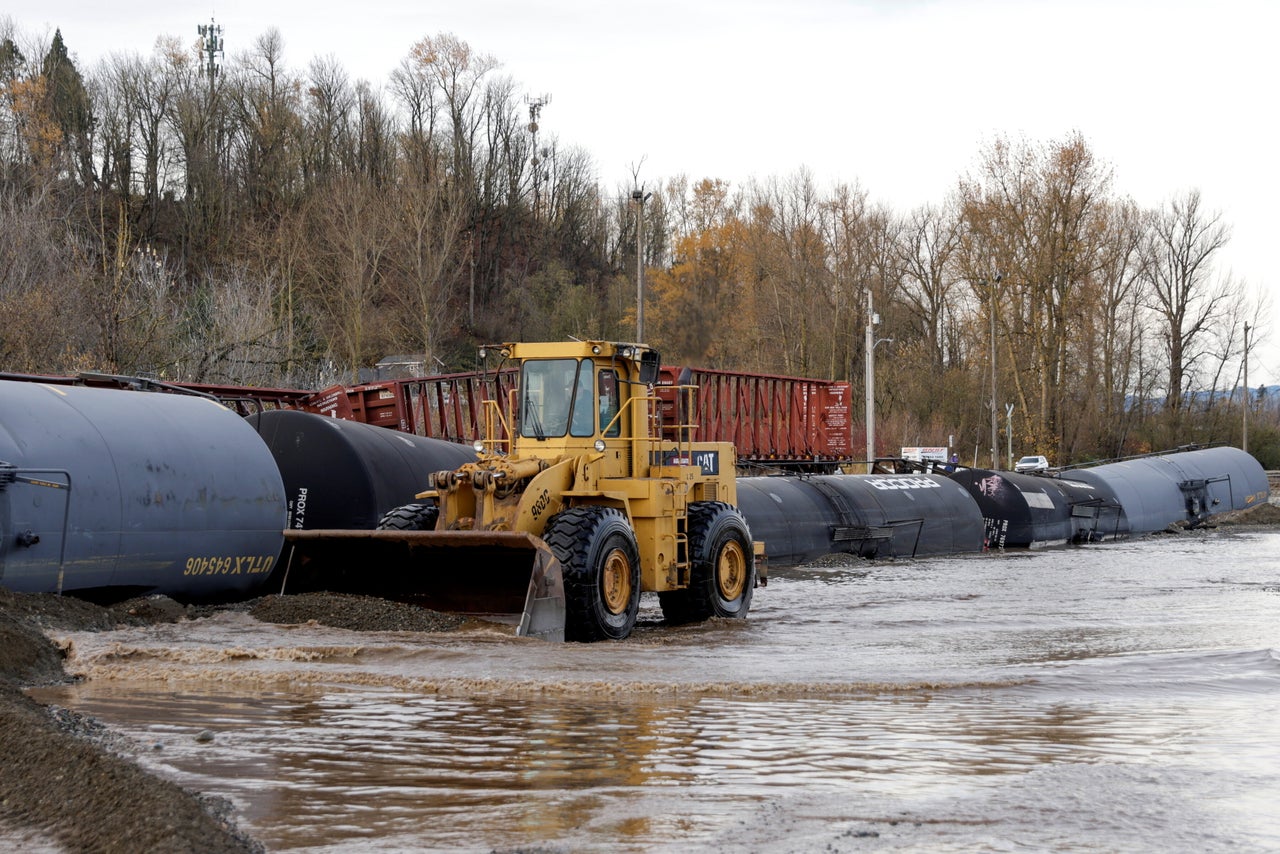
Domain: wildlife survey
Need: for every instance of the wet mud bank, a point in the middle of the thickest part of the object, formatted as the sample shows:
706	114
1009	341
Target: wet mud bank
68	783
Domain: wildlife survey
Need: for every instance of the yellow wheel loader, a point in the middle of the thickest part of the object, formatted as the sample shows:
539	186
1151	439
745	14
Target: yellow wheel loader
574	506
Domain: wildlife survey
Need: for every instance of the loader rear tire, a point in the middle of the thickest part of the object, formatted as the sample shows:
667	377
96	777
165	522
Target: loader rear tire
722	572
600	564
410	517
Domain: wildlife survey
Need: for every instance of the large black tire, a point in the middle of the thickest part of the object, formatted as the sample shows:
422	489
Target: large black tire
722	574
410	517
601	567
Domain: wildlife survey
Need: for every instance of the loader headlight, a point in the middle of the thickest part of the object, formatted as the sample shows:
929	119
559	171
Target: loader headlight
599	445
478	445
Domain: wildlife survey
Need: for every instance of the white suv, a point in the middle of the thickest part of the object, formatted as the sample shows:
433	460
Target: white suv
1027	464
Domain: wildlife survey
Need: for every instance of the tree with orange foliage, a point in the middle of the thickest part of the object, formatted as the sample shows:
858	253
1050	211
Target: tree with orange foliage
38	134
702	311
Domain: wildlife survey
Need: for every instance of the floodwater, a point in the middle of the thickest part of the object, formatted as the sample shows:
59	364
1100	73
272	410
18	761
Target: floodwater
1116	697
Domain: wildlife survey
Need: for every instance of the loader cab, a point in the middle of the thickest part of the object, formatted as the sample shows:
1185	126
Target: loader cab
571	398
575	394
578	398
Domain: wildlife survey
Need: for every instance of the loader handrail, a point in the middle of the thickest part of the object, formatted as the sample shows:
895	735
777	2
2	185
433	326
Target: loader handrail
683	428
687	425
494	416
653	436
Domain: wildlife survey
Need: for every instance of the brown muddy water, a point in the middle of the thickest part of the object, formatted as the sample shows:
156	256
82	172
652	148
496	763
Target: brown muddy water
1120	697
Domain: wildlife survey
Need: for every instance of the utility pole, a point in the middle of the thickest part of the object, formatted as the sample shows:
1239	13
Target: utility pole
870	383
871	342
639	196
471	293
995	442
1008	430
1244	416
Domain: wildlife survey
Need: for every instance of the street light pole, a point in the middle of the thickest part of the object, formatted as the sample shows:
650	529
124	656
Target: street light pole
640	197
1244	423
471	294
995	442
871	343
870	383
1008	430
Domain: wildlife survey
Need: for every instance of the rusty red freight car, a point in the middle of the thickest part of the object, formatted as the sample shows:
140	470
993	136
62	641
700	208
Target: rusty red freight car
443	406
772	420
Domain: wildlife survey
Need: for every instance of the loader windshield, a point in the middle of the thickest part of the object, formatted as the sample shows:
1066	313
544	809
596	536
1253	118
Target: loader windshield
557	399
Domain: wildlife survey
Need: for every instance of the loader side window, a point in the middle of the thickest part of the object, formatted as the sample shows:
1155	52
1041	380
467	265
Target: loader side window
584	404
609	403
547	387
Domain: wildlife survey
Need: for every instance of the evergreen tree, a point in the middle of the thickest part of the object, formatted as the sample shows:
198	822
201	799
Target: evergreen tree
69	104
11	60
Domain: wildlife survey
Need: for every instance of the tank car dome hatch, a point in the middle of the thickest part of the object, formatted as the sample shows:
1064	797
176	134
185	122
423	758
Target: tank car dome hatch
109	494
873	515
345	474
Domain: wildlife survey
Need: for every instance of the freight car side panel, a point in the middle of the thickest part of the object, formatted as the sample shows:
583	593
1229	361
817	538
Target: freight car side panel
445	406
768	418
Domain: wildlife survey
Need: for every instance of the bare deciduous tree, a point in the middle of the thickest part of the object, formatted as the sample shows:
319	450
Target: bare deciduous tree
1035	215
927	243
1183	291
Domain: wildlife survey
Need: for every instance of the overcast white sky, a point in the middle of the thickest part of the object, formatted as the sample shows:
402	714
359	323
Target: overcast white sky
897	95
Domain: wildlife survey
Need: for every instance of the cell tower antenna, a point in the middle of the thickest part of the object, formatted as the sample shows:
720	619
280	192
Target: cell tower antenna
540	174
211	48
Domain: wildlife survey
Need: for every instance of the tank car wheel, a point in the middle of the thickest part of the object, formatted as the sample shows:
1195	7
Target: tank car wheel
722	573
601	568
410	517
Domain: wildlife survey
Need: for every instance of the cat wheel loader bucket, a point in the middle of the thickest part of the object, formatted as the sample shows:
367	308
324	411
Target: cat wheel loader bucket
507	576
